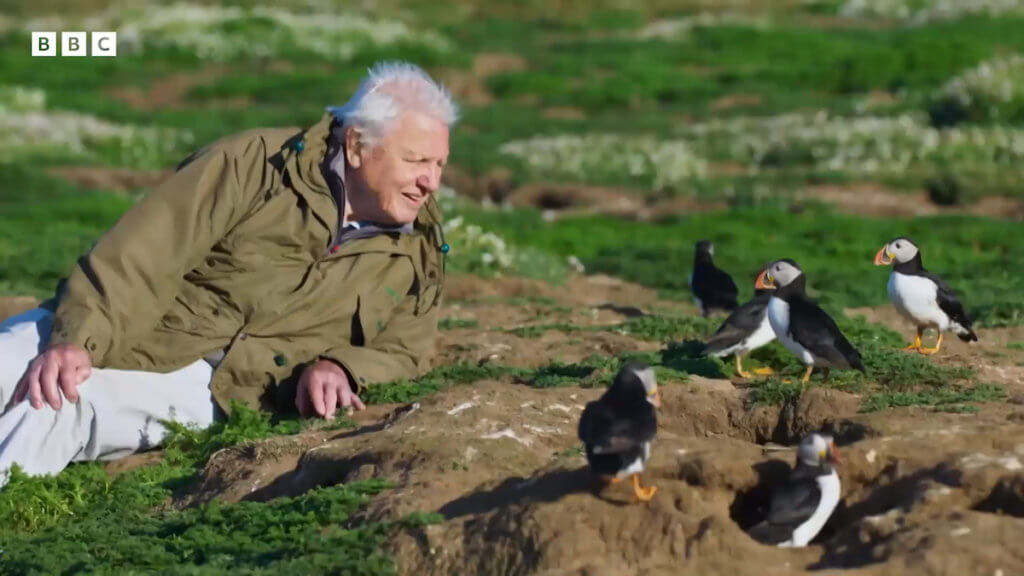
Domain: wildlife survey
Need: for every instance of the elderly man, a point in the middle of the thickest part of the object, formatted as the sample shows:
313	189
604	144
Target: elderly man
276	267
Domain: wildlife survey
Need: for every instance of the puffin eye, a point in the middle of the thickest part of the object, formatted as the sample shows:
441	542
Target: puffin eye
897	245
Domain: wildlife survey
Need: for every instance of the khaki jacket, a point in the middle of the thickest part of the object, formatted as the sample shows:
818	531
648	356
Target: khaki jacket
231	252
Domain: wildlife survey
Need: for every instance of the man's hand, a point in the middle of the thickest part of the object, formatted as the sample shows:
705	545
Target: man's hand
60	369
323	387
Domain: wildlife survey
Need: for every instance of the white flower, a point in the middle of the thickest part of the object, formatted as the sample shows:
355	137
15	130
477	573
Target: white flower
916	12
856	145
665	163
225	32
27	130
987	86
679	28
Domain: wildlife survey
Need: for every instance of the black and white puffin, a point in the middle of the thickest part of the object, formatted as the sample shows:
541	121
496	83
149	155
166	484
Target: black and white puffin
800	508
801	325
713	288
922	297
617	429
746	329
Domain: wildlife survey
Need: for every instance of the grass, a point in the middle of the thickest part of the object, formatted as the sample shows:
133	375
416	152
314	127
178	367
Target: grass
436	380
580	56
947	398
977	256
457	323
88	521
31	504
652	327
305	534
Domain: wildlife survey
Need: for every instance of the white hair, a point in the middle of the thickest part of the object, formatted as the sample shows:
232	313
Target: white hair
388	89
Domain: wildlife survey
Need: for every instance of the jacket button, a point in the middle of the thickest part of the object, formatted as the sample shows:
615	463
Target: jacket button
298	146
280	360
445	248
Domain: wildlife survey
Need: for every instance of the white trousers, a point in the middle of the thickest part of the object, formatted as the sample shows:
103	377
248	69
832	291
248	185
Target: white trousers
118	411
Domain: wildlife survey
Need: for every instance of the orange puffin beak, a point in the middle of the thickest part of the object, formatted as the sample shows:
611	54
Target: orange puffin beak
764	281
656	398
883	258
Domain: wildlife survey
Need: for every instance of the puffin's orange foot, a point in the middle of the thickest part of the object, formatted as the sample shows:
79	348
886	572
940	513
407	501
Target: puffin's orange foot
930	351
916	345
764	371
744	374
643	494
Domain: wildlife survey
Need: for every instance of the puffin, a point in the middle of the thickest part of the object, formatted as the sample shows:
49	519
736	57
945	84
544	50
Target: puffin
922	297
801	325
800	508
746	329
617	429
713	288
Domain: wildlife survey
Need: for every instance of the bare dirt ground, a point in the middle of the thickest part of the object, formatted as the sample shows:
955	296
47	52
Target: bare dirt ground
470	85
924	492
107	178
171	91
566	200
867	199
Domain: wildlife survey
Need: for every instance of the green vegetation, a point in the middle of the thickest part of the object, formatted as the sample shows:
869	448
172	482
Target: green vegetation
947	398
749	110
977	256
88	521
306	534
436	380
457	323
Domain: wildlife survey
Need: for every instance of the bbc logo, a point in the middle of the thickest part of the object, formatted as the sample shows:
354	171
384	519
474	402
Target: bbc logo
74	44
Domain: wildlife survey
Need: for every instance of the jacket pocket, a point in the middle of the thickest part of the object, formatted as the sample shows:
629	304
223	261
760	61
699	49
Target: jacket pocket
371	317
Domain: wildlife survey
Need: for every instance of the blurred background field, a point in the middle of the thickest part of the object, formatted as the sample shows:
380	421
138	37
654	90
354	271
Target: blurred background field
597	136
815	130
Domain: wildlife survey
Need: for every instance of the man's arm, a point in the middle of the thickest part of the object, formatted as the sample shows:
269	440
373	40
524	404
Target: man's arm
127	281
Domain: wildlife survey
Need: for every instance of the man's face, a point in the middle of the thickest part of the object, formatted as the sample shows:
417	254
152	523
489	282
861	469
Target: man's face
391	181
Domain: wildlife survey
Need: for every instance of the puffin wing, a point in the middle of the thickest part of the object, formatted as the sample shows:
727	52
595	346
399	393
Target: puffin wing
622	434
793	504
739	325
725	288
714	287
948	301
790	507
816	331
590	420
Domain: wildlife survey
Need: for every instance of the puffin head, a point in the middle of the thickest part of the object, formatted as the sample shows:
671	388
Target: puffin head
817	449
900	250
704	250
639	377
778	274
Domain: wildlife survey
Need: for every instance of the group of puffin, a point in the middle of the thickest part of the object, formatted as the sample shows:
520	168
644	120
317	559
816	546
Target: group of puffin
781	309
618	428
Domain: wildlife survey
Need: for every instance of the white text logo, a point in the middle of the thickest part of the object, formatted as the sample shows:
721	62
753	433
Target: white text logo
74	44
